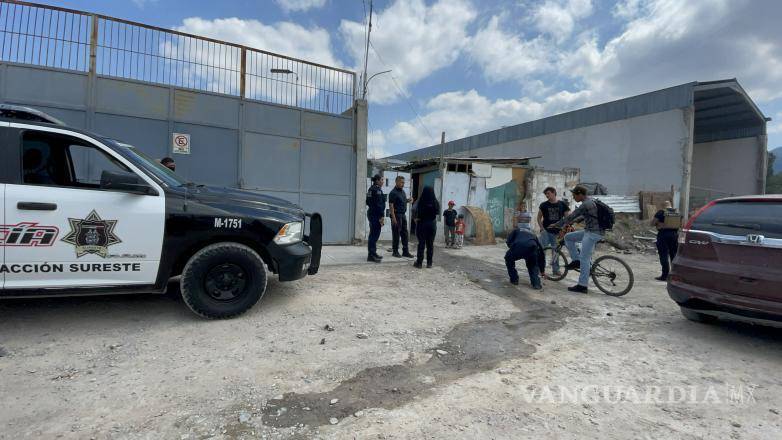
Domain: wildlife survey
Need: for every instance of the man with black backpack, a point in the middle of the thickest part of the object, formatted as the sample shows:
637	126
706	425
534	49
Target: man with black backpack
598	218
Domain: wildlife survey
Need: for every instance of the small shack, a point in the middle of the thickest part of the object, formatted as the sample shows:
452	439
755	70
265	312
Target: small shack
502	187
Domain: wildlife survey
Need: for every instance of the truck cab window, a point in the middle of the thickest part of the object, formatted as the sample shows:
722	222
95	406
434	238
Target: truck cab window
57	160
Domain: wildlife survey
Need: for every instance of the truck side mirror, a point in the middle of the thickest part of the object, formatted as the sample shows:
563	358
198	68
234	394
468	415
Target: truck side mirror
126	182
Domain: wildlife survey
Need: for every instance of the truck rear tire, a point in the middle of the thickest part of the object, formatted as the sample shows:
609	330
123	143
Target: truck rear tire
223	280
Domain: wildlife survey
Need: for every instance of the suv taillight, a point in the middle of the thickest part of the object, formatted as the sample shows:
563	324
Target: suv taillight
691	220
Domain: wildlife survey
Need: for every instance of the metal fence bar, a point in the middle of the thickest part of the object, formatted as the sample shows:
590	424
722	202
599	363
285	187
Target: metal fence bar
69	39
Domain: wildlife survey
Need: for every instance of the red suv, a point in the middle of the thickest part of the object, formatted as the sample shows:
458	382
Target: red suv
729	262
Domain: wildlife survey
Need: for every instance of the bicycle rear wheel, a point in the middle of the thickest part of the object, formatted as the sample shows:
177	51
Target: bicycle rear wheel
562	260
612	275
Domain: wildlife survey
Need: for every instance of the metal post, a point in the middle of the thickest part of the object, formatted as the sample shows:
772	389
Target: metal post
763	162
94	45
366	55
442	169
687	152
242	72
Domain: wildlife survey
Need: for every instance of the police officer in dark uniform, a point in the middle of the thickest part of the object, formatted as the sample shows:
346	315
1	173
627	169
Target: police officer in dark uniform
524	245
397	203
667	238
376	206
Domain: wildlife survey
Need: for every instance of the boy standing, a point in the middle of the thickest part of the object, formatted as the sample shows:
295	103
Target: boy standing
549	213
449	216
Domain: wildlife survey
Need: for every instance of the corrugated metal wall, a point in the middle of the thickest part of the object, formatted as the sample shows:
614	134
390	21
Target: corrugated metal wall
304	156
654	102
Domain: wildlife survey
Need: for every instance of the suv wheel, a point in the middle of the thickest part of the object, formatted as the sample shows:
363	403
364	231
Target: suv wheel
692	315
223	280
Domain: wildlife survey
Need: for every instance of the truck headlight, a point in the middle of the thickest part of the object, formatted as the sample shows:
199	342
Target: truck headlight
290	233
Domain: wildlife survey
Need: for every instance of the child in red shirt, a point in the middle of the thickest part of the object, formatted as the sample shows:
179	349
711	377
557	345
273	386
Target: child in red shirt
460	226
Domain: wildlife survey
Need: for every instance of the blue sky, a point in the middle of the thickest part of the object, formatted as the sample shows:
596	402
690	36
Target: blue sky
468	66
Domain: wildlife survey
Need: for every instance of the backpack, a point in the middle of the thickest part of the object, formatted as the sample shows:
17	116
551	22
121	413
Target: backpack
605	216
672	219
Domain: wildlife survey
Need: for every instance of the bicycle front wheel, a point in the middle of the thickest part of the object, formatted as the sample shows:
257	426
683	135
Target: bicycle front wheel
612	275
562	262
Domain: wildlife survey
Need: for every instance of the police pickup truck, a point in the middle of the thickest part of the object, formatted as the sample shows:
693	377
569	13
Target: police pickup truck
82	214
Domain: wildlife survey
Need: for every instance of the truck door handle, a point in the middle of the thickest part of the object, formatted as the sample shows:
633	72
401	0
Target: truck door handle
36	206
747	280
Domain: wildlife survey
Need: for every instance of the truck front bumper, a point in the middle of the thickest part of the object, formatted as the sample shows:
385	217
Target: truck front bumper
298	260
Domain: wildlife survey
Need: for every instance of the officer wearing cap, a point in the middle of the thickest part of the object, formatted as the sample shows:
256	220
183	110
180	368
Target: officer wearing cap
376	205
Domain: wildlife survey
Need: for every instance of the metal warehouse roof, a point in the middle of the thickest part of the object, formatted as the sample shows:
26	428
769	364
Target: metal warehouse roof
417	164
723	110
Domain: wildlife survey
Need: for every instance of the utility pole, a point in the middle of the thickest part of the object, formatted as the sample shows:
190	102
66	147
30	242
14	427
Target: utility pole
442	169
366	53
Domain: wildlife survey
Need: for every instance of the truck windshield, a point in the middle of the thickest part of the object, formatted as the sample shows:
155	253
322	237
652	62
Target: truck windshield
150	165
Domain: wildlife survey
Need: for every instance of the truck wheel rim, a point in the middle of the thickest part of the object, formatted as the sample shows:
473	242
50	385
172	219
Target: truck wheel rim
225	282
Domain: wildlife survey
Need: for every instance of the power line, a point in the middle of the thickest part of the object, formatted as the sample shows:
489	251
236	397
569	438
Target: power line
403	93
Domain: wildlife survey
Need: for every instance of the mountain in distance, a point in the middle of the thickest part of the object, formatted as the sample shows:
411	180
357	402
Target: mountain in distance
778	162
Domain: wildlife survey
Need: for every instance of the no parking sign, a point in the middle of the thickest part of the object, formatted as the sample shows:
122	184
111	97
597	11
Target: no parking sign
181	143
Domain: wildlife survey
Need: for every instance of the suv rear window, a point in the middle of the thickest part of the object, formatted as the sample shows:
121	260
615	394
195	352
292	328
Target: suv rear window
742	218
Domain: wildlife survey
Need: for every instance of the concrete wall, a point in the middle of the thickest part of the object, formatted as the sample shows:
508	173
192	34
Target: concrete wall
726	167
457	188
303	156
627	156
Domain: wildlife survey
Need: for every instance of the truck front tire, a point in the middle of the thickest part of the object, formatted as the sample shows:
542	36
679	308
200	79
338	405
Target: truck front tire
223	280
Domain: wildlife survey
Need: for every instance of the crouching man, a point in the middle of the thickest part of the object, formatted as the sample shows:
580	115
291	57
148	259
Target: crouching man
524	245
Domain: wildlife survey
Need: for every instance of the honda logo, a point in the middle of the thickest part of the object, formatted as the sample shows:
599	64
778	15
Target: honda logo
755	238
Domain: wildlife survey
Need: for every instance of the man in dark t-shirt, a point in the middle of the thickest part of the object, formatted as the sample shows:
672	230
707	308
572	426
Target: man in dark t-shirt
549	213
397	204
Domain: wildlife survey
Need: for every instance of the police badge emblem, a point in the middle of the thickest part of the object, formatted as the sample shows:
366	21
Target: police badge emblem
92	235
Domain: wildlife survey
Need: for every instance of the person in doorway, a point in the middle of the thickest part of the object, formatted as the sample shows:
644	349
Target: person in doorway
588	237
524	245
667	238
376	206
397	204
426	209
549	213
168	163
460	228
449	218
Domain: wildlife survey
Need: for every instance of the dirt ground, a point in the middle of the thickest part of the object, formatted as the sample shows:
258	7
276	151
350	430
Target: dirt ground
450	352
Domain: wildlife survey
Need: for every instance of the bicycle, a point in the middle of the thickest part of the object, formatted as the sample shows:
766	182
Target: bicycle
609	273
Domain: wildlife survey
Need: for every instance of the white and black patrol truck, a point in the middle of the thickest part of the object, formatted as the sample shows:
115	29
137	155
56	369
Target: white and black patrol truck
82	214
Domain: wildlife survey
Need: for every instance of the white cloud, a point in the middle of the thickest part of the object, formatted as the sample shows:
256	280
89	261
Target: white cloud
286	38
504	56
558	18
627	9
464	113
141	4
413	39
300	5
376	142
670	42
